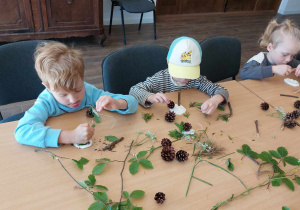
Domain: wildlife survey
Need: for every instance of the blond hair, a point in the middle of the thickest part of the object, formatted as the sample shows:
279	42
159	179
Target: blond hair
59	65
275	31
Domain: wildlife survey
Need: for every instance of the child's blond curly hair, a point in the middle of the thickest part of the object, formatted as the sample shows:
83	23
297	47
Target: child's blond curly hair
275	31
59	66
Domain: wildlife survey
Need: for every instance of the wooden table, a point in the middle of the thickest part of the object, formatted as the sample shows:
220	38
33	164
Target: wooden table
33	180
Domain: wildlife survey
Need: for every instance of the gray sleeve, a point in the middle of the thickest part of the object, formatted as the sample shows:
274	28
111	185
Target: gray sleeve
212	89
294	63
256	71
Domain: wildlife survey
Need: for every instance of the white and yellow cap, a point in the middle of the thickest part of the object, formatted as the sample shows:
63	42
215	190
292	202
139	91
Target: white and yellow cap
184	58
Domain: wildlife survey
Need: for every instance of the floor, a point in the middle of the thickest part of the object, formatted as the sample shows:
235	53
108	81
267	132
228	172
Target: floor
246	26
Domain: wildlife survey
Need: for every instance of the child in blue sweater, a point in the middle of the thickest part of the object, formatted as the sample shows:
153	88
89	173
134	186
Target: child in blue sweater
61	70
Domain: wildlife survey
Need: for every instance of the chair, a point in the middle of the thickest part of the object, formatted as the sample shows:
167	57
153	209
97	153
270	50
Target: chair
133	6
129	66
221	58
18	78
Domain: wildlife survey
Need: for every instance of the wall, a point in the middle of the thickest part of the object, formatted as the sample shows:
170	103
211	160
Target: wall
288	7
129	18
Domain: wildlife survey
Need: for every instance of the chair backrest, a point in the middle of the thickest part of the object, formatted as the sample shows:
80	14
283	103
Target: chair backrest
18	78
126	67
221	58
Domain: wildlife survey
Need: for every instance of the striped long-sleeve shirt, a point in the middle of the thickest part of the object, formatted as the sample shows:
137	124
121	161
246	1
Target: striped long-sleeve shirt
163	82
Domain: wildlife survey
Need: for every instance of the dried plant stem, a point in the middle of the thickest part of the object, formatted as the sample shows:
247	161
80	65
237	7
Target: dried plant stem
256	126
121	174
289	96
57	158
225	155
112	145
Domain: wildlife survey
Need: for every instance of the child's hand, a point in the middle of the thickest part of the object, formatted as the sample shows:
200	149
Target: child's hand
82	134
282	70
158	98
297	72
210	105
107	102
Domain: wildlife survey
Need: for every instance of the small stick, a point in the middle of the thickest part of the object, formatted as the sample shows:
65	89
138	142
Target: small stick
256	125
289	96
112	145
297	91
179	98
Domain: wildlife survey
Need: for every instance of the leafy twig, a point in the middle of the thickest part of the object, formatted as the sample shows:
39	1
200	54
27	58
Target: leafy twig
147	116
226	116
112	145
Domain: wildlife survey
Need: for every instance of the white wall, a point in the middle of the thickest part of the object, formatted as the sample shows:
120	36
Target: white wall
129	18
288	7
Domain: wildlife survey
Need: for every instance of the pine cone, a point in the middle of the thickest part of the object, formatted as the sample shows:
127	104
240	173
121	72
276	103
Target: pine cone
187	126
89	113
289	115
170	116
264	106
289	123
297	104
296	114
182	156
166	142
171	105
168	153
160	197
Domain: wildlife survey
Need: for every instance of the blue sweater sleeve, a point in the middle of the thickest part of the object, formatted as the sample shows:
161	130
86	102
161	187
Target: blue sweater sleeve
254	70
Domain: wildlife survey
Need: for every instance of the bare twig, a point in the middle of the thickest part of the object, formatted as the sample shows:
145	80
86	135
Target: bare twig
122	173
225	155
57	158
289	96
256	125
112	145
179	97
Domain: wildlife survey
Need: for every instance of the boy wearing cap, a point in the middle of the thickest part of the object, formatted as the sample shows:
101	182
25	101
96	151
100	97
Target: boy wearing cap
184	58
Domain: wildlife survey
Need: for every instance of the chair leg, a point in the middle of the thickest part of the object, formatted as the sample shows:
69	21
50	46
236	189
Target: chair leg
233	78
122	17
154	24
111	16
141	20
1	118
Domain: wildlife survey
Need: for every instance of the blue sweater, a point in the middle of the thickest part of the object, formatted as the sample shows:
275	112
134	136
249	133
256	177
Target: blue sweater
31	129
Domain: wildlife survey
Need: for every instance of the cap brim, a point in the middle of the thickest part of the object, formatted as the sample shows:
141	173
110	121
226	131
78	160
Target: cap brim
186	72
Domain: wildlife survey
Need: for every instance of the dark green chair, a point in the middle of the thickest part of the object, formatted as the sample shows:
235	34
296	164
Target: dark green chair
126	67
221	58
18	78
133	6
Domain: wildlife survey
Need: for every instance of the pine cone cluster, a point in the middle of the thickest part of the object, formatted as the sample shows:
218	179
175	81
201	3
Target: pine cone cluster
166	142
297	104
170	116
187	126
182	156
89	113
168	153
264	106
290	123
171	105
160	197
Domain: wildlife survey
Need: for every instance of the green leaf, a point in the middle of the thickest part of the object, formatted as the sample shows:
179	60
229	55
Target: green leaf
83	161
289	183
275	154
115	206
98	168
126	194
53	157
141	154
297	179
111	138
230	166
175	134
79	165
129	204
96	206
97	118
103	159
276	182
224	118
101	187
101	196
83	184
277	169
92	179
282	151
88	182
131	159
253	154
292	160
136	208
134	167
240	151
220	108
274	162
285	208
180	126
137	194
146	163
246	149
265	156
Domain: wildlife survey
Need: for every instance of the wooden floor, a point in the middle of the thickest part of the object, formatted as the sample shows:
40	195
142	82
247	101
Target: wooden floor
246	26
